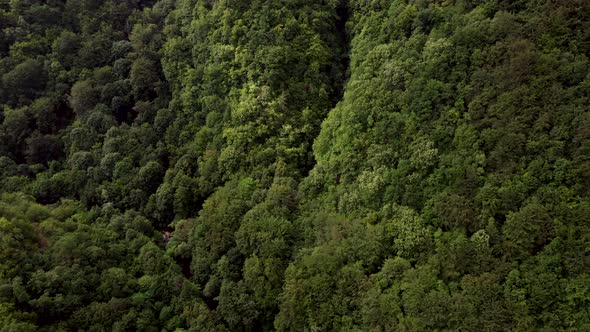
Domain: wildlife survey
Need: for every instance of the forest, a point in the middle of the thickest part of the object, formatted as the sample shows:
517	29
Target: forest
294	165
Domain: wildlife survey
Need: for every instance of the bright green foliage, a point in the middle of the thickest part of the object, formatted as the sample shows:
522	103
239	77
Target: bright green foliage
294	165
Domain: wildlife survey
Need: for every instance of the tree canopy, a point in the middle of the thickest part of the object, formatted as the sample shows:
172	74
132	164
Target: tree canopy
294	165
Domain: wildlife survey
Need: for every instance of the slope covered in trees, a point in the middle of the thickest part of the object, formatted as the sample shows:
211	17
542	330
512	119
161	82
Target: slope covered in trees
294	165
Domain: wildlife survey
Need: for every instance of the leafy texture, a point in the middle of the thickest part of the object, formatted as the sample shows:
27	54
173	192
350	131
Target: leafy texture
337	165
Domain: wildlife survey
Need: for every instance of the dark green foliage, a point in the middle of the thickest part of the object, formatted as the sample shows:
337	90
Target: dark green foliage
26	80
294	165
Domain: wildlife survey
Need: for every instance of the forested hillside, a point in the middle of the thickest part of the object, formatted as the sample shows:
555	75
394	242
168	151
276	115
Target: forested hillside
294	165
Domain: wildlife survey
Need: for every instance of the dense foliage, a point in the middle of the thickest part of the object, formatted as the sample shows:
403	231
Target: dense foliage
294	165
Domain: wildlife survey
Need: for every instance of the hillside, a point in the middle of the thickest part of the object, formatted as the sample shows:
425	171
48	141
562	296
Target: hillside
294	165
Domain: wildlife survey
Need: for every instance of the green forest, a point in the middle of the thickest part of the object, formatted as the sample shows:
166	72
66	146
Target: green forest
294	165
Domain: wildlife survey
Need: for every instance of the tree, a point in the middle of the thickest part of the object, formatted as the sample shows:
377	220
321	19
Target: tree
26	80
144	79
43	148
83	97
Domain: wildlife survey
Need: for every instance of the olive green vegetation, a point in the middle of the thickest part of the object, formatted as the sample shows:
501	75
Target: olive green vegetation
295	165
